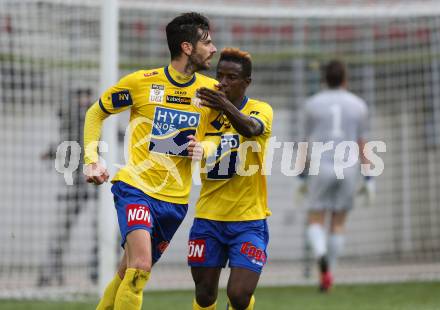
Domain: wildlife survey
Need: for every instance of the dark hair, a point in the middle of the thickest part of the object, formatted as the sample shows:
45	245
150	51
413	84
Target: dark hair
185	28
238	56
334	73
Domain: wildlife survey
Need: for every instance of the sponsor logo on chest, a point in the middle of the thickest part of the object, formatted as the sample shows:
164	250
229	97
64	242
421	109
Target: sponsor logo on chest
170	130
166	120
156	93
178	100
230	141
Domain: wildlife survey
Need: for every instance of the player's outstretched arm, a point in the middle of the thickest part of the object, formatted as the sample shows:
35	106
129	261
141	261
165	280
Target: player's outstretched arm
245	125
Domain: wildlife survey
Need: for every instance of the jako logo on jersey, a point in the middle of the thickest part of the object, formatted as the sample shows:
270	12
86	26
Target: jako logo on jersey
138	215
254	113
196	251
256	255
178	100
180	92
121	99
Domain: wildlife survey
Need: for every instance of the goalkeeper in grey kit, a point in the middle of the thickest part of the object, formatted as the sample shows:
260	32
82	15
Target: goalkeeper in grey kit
332	115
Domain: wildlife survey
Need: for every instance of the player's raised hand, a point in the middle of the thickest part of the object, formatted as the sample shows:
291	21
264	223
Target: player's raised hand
96	173
195	149
214	99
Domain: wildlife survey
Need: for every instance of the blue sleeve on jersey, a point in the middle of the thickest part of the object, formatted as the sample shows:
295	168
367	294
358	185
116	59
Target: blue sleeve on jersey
101	105
261	123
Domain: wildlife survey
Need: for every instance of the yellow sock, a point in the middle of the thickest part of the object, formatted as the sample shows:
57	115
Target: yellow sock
249	307
108	299
130	292
251	303
197	307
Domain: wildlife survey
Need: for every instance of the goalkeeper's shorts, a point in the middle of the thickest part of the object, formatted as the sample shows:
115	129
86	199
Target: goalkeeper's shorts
328	193
213	243
137	210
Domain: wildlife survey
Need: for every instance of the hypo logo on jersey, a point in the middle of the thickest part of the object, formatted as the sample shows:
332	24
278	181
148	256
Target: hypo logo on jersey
156	93
138	215
222	165
196	251
170	130
256	255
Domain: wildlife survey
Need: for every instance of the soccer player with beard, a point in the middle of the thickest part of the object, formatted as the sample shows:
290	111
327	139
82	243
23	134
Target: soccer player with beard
230	220
151	191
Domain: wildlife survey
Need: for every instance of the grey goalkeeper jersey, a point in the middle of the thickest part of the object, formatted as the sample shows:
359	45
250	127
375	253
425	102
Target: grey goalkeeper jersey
334	115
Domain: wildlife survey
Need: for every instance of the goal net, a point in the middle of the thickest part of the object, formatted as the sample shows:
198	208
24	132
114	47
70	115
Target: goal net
49	74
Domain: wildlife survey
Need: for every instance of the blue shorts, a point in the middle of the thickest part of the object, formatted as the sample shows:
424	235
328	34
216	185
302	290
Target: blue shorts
137	210
213	243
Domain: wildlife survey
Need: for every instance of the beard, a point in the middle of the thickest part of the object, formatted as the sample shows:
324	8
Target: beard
197	63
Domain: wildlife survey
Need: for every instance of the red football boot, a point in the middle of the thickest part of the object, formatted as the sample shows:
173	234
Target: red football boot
326	281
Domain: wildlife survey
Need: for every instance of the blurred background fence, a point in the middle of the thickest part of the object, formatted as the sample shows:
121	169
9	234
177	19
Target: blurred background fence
49	74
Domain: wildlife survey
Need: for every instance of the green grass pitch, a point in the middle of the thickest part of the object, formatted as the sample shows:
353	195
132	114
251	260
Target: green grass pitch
403	296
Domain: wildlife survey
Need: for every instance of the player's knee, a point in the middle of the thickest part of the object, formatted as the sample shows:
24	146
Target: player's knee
141	263
337	230
206	294
239	297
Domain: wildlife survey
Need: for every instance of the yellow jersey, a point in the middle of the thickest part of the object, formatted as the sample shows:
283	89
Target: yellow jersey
233	183
164	111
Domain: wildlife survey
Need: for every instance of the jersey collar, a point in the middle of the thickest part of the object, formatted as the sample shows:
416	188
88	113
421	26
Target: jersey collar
173	77
243	103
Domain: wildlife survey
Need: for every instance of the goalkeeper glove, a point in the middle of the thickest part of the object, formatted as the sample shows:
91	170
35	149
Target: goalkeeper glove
301	188
368	189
